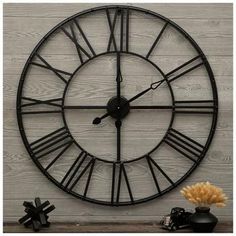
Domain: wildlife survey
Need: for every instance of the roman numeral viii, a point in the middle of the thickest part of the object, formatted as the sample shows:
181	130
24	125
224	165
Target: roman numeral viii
184	145
122	44
50	143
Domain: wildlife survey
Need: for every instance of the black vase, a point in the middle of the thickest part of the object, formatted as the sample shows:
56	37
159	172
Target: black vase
202	220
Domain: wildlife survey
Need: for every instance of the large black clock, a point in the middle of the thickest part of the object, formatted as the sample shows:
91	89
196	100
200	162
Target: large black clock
68	116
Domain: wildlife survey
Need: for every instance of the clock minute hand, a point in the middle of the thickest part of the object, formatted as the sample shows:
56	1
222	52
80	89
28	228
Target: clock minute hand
118	78
153	86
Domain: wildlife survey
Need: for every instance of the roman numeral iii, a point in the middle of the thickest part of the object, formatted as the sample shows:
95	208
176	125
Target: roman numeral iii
184	145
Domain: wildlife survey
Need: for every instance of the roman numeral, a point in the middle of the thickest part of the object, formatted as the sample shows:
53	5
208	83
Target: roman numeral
55	105
156	40
184	145
76	171
59	73
184	69
89	177
151	164
73	36
195	107
50	143
116	190
123	14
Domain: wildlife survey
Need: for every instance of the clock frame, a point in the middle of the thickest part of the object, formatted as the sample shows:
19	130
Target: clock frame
61	139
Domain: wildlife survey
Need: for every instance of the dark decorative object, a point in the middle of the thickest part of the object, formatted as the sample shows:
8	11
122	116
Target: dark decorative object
36	216
177	219
117	19
202	220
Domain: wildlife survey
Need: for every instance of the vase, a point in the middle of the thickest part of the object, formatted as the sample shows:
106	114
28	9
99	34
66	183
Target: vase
202	220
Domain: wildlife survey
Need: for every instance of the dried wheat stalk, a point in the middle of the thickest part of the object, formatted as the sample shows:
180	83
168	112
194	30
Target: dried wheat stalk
204	194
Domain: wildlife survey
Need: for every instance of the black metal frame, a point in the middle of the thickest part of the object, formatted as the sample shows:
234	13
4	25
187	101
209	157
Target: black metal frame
189	145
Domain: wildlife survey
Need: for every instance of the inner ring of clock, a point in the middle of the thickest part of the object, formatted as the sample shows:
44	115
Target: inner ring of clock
92	113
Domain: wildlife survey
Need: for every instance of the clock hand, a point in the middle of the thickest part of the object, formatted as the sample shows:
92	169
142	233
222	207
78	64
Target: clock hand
153	86
118	78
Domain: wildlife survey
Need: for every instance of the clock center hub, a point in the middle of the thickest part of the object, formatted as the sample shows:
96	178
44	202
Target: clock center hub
118	110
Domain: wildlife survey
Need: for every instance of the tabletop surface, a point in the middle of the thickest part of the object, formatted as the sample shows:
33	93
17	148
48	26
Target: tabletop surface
100	227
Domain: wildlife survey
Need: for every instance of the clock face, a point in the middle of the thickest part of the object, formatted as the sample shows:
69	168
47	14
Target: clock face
124	103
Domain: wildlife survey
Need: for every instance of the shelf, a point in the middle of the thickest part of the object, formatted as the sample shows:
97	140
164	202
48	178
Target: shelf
103	227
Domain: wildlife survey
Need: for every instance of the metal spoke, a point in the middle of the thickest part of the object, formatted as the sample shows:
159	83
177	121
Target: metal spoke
85	107
152	107
131	107
118	124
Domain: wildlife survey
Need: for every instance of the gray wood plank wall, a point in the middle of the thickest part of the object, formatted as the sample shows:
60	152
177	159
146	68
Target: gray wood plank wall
25	24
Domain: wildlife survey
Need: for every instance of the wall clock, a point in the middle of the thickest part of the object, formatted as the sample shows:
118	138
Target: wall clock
134	129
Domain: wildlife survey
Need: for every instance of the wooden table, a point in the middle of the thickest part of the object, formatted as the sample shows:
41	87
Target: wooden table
102	227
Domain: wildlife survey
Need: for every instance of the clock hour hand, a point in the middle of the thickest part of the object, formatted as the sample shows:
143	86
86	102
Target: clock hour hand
153	86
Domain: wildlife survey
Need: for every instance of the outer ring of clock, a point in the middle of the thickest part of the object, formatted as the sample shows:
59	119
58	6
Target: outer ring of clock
214	95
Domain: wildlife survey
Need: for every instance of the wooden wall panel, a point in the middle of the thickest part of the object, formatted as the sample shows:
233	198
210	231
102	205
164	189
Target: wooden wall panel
25	24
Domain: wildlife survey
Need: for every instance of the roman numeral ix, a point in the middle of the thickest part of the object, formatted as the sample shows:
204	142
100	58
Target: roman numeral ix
51	142
54	105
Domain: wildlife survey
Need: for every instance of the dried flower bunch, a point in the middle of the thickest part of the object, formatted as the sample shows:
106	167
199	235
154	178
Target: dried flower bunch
204	194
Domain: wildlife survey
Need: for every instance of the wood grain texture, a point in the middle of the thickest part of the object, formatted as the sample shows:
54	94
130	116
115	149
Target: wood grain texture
18	31
25	24
192	11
